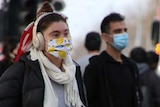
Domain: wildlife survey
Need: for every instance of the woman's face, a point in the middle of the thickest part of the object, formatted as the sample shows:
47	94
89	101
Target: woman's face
55	30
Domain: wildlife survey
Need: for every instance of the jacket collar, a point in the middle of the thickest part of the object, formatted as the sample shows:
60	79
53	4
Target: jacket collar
34	65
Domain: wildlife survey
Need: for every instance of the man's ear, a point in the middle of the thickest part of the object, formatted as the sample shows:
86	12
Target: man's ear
106	37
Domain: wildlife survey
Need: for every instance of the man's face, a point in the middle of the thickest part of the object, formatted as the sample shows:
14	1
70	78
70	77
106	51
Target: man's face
117	27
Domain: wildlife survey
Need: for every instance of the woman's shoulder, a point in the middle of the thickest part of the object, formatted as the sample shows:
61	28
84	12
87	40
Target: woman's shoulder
10	81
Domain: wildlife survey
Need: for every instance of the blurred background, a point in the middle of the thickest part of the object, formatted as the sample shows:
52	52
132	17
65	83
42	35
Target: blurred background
142	19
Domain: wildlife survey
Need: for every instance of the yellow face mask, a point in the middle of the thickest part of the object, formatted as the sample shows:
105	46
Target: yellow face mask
60	47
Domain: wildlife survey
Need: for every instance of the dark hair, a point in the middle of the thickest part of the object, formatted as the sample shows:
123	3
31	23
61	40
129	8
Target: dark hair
139	55
47	20
9	44
45	7
152	58
93	41
113	17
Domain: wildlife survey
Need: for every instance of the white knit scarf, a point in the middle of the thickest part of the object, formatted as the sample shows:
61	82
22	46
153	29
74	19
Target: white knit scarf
49	70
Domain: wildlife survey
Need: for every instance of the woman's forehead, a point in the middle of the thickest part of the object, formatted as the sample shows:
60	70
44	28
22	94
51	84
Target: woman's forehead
58	26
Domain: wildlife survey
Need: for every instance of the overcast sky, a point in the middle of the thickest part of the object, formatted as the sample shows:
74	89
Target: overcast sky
86	15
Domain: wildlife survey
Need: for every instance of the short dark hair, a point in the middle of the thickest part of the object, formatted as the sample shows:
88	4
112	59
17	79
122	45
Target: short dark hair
93	41
113	17
139	55
152	58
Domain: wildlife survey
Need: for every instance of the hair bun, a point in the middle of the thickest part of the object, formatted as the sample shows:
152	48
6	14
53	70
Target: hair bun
45	7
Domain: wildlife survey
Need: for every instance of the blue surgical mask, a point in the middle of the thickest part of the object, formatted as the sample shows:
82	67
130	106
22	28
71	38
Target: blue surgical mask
120	41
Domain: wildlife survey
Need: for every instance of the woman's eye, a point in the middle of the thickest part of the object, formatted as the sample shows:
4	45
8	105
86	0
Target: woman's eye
66	34
55	35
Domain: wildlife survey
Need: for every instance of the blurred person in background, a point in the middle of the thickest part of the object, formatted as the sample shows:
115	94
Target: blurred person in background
93	45
111	79
139	55
153	80
147	62
9	51
152	60
1	49
44	76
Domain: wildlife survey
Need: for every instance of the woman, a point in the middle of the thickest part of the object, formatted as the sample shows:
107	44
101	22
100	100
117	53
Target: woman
10	47
45	76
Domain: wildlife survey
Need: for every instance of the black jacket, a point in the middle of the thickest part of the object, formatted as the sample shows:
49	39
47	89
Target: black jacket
112	84
4	64
22	85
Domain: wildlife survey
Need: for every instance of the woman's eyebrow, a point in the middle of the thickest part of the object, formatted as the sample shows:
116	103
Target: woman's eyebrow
54	32
66	30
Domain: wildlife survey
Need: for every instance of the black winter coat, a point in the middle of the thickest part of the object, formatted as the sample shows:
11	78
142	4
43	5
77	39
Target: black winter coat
22	85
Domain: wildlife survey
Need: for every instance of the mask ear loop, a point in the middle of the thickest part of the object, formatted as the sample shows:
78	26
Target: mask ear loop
70	39
111	38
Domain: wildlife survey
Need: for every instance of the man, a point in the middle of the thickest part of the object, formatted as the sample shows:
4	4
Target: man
139	55
152	80
92	44
112	79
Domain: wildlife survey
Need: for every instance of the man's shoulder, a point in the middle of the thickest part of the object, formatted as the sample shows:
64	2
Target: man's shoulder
76	64
98	58
128	60
95	59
